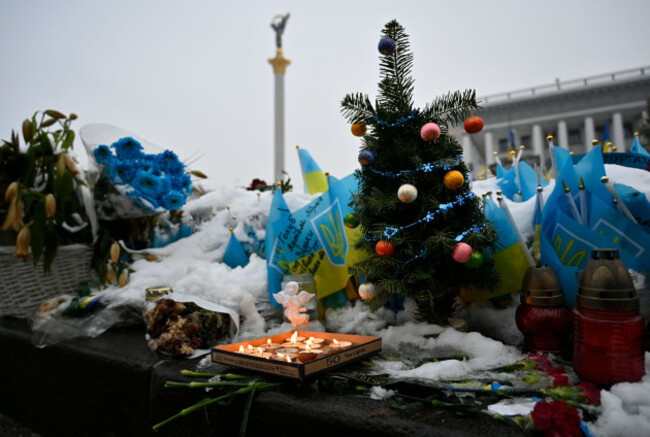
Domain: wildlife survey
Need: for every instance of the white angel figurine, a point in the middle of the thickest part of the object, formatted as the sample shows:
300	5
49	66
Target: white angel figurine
293	303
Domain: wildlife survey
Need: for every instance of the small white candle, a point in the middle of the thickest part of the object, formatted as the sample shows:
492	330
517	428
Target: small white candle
294	338
335	344
269	346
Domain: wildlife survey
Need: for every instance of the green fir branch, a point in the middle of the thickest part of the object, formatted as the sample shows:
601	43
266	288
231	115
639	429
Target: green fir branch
452	108
357	108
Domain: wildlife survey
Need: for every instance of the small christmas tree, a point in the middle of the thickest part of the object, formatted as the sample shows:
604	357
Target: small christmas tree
424	231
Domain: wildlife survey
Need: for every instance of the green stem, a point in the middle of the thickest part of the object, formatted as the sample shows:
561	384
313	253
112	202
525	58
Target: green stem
247	409
198	374
174	384
208	401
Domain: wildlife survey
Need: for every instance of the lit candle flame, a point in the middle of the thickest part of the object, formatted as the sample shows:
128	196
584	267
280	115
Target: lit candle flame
259	349
288	360
241	349
308	343
335	341
250	348
268	342
294	336
311	339
307	348
280	355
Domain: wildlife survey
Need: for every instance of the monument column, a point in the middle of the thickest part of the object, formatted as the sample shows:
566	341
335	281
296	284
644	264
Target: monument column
279	64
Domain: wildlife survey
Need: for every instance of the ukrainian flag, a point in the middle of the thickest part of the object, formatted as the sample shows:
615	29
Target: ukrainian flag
313	177
509	260
313	239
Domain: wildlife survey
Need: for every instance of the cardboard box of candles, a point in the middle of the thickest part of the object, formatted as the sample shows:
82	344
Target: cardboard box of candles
298	354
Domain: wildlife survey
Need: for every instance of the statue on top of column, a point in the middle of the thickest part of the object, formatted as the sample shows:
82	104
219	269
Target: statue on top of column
278	23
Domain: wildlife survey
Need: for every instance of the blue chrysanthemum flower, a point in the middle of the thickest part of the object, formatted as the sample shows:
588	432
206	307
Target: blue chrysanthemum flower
182	183
170	163
127	148
150	164
121	172
173	200
147	185
103	155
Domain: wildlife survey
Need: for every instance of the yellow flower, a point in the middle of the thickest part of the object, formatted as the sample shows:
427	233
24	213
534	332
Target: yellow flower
115	253
69	163
111	276
14	217
12	192
123	279
22	243
50	205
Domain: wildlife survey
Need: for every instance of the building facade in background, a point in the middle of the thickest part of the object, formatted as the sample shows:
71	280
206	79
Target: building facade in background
607	107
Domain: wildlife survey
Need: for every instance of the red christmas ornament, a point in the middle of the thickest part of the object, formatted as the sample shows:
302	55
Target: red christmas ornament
473	125
384	248
462	253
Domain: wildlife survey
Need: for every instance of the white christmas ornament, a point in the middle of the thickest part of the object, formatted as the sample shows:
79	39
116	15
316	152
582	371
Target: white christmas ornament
407	193
367	291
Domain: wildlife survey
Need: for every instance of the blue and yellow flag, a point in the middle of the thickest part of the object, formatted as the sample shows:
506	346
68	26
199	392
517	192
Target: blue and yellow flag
313	240
566	243
509	259
313	177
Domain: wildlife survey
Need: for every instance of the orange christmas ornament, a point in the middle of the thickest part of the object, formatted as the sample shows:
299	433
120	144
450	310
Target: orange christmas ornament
358	129
453	180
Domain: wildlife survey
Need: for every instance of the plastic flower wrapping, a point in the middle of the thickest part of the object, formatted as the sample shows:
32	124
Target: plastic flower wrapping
130	182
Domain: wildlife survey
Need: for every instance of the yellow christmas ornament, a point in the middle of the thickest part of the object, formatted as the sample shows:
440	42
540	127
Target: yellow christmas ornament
453	180
358	129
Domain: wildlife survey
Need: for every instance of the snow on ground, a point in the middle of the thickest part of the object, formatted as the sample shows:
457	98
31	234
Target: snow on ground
193	266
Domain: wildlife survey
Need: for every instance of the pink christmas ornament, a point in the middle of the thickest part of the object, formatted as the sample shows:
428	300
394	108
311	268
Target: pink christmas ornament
430	132
462	253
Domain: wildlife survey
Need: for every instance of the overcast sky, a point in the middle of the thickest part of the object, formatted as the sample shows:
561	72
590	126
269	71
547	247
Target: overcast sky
193	76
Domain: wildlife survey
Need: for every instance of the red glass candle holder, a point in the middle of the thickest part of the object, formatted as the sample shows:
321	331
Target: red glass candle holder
608	328
542	315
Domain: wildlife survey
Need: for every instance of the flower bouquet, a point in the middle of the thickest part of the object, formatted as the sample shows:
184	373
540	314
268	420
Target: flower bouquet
46	214
131	177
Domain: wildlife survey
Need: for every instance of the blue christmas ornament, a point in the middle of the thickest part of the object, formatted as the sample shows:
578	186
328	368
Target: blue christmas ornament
367	157
386	46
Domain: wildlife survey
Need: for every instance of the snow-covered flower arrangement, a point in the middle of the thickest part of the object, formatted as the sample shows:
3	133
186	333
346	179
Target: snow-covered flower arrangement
135	183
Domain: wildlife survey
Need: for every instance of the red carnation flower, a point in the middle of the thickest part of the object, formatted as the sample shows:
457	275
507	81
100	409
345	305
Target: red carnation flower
542	362
556	419
590	392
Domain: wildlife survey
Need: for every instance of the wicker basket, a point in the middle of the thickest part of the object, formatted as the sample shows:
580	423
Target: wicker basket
24	287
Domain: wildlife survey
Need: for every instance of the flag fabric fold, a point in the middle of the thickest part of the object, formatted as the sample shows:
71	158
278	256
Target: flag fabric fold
313	177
